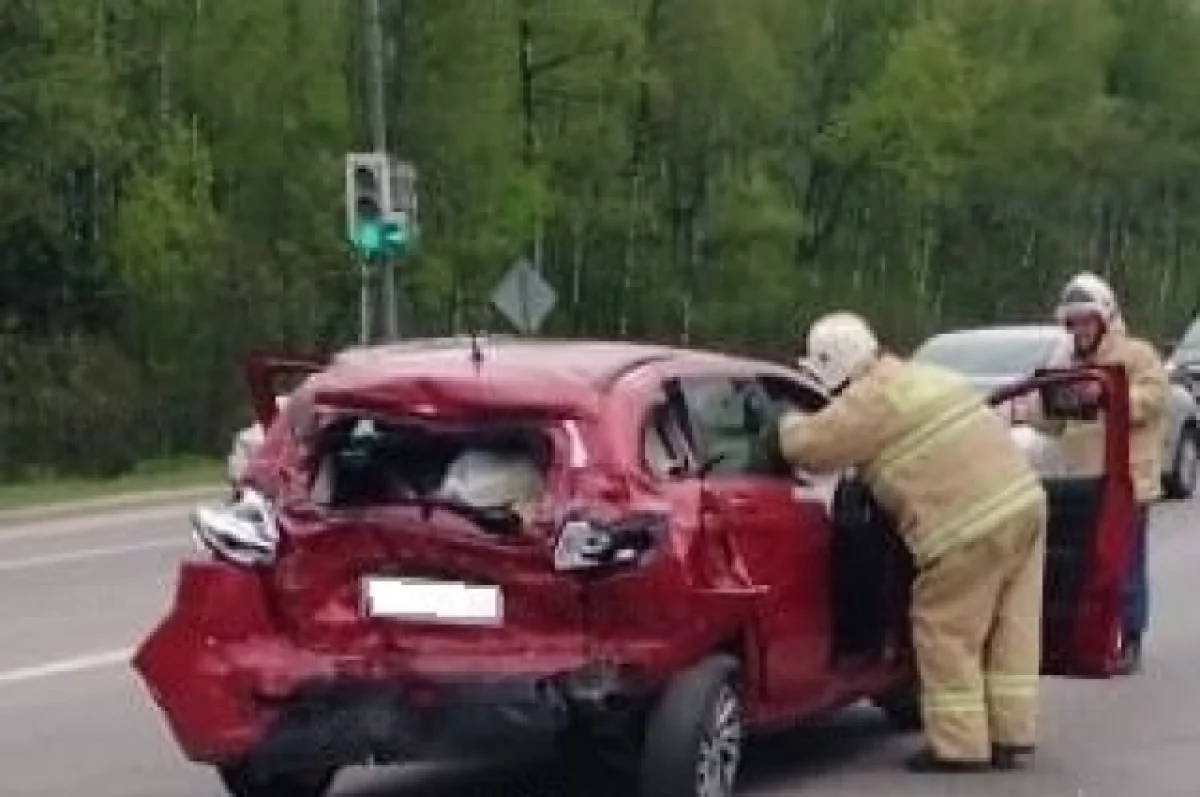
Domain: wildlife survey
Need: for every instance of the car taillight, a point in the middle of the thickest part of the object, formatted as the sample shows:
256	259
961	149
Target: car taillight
590	544
243	533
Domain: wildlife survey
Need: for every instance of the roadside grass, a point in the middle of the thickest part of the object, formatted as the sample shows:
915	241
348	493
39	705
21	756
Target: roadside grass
165	474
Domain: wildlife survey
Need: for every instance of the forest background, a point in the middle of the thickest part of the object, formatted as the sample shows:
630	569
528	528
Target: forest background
705	171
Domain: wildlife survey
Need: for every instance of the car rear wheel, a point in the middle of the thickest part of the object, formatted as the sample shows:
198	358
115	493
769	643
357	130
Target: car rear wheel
244	780
1181	482
694	735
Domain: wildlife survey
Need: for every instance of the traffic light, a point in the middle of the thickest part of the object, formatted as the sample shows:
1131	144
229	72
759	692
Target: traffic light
380	204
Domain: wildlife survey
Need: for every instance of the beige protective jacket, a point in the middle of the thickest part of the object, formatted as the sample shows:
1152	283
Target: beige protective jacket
1081	443
937	459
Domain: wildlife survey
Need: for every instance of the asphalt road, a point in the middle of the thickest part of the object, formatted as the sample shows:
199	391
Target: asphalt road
77	593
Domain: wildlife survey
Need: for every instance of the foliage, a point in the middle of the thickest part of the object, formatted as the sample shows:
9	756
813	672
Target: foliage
701	170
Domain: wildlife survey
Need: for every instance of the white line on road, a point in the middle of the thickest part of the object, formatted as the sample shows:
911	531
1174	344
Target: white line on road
136	520
90	661
89	553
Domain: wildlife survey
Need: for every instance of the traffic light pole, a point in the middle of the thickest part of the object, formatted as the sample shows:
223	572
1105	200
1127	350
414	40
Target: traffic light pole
379	139
364	309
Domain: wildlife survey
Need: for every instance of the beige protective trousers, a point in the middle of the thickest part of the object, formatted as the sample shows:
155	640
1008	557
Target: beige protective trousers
977	617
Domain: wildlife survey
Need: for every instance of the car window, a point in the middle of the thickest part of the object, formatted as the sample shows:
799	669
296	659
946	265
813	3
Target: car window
368	462
988	355
664	444
727	416
786	394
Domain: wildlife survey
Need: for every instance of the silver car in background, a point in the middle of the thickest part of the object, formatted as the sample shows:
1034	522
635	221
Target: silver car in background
1184	362
995	356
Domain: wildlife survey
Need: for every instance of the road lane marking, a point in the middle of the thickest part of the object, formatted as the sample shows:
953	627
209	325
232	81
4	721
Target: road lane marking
102	522
68	557
76	664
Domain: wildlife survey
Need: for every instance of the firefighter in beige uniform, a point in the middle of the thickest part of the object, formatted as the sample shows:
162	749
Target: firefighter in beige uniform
973	513
1088	309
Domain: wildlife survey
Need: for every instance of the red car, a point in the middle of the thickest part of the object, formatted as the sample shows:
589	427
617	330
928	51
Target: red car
448	547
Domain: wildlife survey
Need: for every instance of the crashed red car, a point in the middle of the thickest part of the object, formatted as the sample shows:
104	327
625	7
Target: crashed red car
442	549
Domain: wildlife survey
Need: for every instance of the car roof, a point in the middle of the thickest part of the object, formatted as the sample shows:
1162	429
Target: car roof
594	362
521	375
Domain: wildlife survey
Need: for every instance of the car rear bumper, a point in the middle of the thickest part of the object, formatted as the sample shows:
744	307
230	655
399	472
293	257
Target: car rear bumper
231	689
343	723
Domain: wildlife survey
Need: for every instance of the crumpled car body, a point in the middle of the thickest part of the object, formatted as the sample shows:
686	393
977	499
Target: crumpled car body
367	600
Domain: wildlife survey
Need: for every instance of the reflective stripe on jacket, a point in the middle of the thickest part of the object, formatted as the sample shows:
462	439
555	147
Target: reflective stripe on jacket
938	460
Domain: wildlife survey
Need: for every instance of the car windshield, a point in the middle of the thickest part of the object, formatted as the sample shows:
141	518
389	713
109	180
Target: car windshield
988	354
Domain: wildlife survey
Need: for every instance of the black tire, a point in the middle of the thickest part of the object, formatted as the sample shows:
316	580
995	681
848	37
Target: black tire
243	780
694	735
1182	480
902	709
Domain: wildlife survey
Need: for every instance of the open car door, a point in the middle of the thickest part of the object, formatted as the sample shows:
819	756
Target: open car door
269	375
1090	535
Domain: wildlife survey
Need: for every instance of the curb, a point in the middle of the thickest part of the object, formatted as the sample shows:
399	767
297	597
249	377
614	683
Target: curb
140	500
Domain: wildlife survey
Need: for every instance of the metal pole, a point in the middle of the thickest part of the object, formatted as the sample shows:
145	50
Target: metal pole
364	309
375	53
380	143
525	66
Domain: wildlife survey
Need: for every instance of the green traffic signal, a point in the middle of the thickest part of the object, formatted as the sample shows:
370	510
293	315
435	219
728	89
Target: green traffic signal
395	236
375	237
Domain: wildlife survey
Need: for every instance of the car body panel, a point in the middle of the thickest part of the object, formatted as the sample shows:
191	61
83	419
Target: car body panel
281	662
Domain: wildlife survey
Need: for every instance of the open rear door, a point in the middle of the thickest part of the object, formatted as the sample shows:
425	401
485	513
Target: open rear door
1089	538
269	375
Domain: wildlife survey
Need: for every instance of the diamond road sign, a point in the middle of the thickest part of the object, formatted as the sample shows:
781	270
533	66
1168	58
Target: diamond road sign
524	297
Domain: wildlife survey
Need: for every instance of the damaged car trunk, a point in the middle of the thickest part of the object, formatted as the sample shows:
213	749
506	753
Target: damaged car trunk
427	539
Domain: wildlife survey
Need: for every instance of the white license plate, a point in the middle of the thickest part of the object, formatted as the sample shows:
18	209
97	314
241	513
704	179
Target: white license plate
421	600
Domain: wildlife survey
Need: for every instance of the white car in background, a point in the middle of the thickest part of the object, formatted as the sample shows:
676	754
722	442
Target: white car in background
995	356
1184	362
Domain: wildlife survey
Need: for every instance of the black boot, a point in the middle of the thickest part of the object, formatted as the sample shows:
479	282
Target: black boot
926	762
1011	756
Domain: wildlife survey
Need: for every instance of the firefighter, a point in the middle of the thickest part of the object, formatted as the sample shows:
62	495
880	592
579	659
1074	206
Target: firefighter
973	514
1088	309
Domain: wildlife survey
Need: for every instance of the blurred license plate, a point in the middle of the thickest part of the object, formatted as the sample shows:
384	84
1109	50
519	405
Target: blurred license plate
421	600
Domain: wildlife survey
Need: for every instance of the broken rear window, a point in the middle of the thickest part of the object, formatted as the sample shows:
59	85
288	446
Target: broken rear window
367	462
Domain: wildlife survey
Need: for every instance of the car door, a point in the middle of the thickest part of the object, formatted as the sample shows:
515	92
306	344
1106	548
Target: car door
777	529
269	376
1089	535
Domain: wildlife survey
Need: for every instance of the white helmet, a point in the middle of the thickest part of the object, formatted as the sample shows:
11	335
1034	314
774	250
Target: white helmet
839	346
1086	294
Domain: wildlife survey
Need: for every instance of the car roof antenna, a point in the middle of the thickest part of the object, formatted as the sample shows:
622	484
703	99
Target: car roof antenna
476	349
476	352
